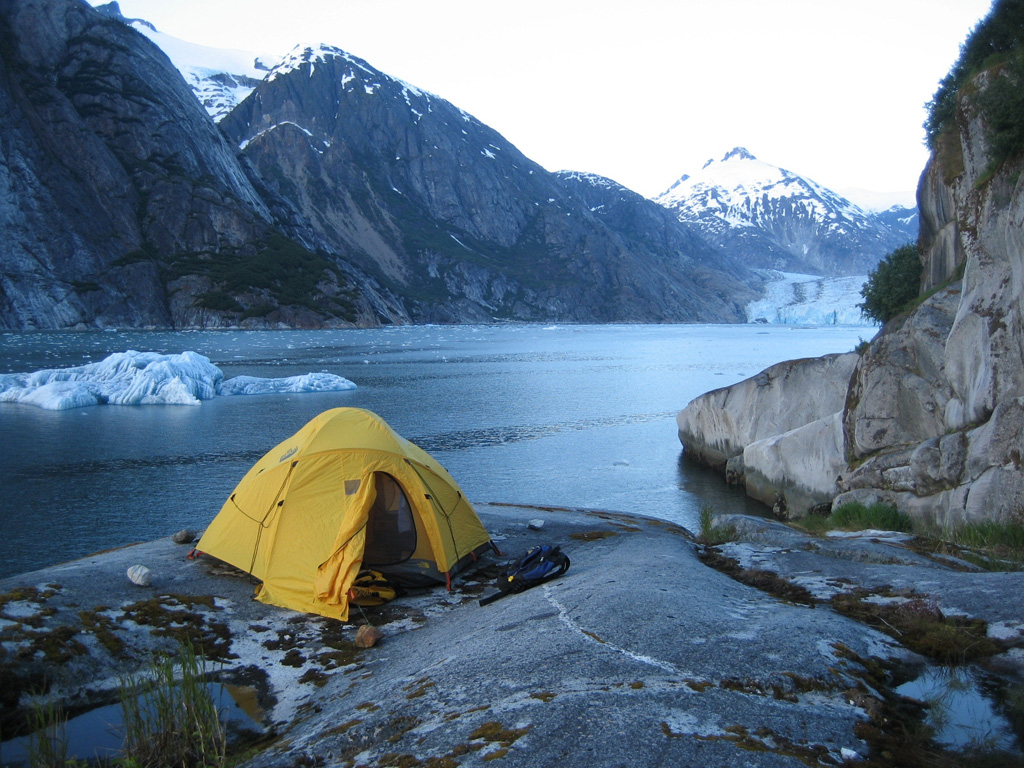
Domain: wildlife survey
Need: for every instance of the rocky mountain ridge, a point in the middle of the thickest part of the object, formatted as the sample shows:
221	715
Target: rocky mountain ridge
776	219
931	414
450	215
334	195
219	78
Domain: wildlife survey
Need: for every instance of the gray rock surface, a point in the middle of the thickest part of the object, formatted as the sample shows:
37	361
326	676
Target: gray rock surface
797	470
884	561
720	424
931	418
639	655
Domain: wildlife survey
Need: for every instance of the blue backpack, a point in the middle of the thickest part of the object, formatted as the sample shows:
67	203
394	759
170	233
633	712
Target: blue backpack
541	563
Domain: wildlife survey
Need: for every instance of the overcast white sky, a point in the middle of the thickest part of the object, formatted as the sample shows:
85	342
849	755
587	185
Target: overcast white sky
643	91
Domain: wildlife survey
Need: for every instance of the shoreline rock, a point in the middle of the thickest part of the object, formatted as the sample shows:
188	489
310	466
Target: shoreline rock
639	654
770	434
932	415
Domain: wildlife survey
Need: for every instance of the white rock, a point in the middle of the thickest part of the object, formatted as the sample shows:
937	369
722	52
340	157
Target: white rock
141	575
720	424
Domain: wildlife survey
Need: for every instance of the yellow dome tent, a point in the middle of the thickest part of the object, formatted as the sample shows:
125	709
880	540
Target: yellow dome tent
343	493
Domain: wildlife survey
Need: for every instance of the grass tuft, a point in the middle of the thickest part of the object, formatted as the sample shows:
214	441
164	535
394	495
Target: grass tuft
857	517
48	742
1003	540
711	533
920	625
171	722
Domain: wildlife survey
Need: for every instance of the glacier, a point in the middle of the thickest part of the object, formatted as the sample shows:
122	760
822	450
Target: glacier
149	378
220	78
795	299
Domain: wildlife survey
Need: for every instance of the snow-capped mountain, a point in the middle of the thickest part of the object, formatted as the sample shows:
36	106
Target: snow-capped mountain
332	195
437	205
220	78
775	219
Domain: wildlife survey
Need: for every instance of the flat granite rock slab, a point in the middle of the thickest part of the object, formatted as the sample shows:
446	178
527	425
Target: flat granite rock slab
639	655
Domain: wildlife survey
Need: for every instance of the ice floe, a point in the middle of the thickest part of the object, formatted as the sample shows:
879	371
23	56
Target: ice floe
149	378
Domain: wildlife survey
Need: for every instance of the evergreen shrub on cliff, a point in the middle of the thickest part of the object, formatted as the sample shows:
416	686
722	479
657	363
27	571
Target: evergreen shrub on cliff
892	284
1003	104
997	42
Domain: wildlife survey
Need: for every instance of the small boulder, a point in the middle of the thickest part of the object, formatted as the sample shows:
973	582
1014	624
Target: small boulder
536	524
186	536
141	575
367	636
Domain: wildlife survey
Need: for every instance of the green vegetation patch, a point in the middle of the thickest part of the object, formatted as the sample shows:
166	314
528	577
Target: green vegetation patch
104	629
1002	539
766	581
419	688
712	534
175	616
280	268
995	44
592	535
892	285
918	624
170	717
764	739
26	595
494	731
858	517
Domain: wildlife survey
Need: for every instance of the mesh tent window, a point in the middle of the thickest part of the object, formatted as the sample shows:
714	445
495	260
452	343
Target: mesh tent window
390	528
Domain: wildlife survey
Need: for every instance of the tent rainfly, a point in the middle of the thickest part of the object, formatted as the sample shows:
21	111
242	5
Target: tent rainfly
345	492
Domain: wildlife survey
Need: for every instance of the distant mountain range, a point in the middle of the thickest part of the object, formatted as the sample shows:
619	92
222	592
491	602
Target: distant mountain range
327	194
775	219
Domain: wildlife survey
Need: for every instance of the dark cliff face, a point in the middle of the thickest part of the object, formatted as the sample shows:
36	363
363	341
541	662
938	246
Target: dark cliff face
333	195
682	265
444	211
126	205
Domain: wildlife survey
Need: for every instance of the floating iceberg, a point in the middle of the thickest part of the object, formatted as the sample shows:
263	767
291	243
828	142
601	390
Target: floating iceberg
309	382
149	378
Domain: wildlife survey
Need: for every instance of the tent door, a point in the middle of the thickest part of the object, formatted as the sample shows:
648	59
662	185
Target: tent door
390	527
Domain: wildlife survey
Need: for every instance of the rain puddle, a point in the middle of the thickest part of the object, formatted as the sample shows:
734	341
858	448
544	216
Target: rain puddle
963	709
97	734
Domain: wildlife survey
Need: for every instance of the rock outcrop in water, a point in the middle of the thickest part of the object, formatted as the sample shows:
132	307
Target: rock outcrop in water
933	414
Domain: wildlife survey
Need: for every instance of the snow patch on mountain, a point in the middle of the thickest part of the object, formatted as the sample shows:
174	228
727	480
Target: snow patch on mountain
220	78
735	188
592	179
794	299
363	77
772	218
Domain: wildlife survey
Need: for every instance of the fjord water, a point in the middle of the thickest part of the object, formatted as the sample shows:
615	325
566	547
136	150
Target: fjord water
570	416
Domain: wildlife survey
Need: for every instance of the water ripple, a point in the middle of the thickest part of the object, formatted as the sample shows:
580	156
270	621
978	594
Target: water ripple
459	440
490	436
126	464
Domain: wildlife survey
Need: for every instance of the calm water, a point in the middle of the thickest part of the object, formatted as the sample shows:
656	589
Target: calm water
580	416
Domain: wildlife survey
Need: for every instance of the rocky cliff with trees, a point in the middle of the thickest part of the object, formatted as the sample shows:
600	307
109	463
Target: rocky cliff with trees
931	415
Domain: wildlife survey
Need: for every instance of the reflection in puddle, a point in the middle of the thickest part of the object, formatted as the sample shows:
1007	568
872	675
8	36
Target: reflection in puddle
961	710
98	733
